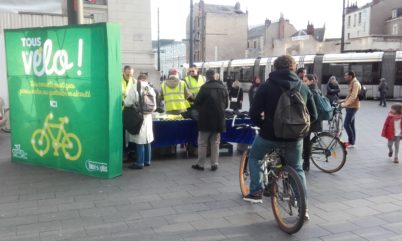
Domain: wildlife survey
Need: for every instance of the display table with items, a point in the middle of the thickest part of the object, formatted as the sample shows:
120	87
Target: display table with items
170	132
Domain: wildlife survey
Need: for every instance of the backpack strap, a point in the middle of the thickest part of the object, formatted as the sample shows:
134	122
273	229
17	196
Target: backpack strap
139	96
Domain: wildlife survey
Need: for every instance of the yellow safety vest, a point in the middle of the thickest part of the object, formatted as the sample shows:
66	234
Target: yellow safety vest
174	97
193	85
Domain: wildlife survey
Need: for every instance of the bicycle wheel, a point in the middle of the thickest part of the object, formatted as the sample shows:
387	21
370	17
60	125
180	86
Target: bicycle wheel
40	142
327	152
71	147
244	174
288	200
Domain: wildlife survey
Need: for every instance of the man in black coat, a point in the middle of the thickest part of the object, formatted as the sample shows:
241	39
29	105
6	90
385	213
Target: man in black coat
211	102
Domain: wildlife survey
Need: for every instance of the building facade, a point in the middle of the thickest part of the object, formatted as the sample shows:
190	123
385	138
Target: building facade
394	24
261	39
220	32
374	26
172	55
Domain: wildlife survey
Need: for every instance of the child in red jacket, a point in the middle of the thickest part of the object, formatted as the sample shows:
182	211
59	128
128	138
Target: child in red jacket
392	129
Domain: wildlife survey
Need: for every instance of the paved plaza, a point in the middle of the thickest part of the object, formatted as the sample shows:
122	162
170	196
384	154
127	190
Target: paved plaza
171	201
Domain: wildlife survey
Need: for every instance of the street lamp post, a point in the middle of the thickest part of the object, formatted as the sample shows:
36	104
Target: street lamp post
75	9
343	29
159	47
191	59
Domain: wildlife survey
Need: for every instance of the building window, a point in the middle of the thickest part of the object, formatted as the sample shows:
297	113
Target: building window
349	20
394	13
255	44
360	19
248	44
348	35
395	29
354	20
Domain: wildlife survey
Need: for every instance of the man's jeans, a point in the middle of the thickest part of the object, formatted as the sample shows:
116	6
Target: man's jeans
291	151
350	125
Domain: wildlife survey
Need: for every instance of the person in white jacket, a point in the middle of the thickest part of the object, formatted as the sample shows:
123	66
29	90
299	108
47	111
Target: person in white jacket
144	138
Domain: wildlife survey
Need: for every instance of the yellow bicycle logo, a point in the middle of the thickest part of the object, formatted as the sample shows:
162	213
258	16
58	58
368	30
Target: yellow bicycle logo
68	142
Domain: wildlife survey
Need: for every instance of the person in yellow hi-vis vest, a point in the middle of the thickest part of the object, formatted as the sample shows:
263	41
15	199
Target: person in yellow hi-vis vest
175	94
128	73
194	81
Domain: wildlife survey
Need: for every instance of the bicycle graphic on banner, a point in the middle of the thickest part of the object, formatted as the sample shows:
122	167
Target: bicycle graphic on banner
43	138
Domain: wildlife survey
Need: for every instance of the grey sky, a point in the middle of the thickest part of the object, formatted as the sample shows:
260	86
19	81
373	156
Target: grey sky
173	14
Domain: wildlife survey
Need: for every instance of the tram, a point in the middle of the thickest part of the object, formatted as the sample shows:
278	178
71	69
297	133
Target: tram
369	68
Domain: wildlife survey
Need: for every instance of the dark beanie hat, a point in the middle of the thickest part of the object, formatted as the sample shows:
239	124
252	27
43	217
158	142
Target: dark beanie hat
210	74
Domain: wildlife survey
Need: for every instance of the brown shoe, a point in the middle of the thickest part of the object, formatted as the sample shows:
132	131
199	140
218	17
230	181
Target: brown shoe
396	160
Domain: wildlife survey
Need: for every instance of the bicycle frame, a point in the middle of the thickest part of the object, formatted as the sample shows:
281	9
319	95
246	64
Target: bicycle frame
61	132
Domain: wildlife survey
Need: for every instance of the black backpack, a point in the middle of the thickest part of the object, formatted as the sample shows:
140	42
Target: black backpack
362	93
291	119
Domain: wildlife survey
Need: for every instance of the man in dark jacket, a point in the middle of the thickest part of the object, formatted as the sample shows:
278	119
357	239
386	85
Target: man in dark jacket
262	114
211	102
383	89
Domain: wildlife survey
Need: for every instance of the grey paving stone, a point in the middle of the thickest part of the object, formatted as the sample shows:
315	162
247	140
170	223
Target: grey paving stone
368	221
187	208
375	233
207	235
157	212
210	224
394	227
184	217
106	228
174	228
15	221
339	227
348	236
58	216
62	234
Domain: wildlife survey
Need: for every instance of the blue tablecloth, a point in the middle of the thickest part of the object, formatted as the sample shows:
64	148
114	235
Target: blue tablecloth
172	132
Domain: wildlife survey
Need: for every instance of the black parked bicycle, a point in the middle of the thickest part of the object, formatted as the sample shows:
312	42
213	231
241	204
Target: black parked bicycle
328	152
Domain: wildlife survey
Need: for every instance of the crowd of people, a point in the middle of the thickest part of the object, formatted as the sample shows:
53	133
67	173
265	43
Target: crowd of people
209	98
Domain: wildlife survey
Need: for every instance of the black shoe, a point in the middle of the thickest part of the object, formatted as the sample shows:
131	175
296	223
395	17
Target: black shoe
147	164
306	165
390	154
214	167
135	167
196	167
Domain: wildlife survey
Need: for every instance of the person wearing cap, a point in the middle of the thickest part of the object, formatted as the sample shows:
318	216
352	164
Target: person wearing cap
211	102
383	89
194	81
175	94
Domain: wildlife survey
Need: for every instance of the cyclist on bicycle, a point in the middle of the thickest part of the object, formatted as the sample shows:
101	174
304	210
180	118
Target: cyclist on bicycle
262	114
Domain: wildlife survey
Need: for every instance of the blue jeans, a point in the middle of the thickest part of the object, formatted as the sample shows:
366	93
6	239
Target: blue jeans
143	154
291	151
349	125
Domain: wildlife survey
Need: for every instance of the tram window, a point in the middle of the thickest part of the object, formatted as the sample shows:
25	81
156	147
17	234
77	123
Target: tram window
336	69
309	68
398	73
367	73
243	74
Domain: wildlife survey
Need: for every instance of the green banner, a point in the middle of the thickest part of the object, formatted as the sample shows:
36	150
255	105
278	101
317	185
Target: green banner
65	97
